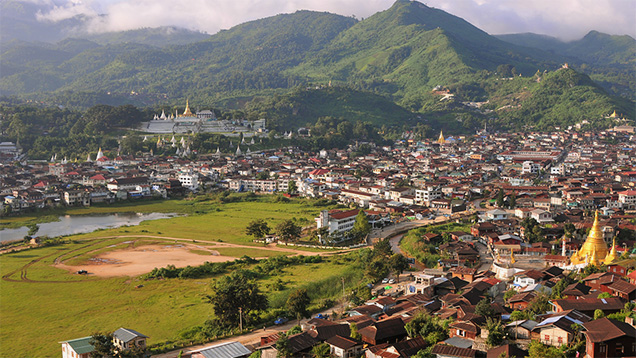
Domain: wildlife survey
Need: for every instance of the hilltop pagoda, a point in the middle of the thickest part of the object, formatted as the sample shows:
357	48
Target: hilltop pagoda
594	250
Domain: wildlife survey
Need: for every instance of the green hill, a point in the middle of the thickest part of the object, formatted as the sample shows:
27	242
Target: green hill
393	60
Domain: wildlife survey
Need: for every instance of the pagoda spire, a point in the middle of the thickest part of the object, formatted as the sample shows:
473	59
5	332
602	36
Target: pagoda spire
441	139
613	255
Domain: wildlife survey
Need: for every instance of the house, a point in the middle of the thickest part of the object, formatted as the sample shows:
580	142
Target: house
623	289
125	338
464	273
587	306
527	278
404	349
344	347
497	214
506	350
575	291
464	329
223	350
609	338
446	351
521	329
389	330
556	330
597	281
77	348
521	300
126	184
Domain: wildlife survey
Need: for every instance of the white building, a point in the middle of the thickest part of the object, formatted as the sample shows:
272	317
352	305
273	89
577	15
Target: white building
426	195
189	180
529	167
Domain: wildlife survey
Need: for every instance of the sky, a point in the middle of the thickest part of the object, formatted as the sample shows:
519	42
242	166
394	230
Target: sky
565	19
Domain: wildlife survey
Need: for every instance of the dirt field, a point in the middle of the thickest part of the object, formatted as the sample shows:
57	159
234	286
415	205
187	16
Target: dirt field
141	260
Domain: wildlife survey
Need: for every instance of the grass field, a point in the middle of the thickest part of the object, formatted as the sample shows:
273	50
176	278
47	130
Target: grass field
41	305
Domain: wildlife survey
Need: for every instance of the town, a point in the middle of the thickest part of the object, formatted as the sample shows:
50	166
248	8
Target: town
545	268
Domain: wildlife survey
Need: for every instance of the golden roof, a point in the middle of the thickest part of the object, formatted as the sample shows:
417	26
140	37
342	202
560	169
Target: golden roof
594	248
613	115
187	112
613	255
441	139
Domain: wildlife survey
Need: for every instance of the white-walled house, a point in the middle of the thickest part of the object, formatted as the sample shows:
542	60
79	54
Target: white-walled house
77	348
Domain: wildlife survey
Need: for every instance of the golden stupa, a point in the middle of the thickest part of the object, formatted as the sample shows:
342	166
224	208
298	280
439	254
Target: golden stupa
187	112
613	255
441	139
594	250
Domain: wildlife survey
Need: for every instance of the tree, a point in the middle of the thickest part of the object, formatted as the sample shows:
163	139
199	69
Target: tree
398	263
511	292
484	308
257	228
540	304
598	313
536	349
291	187
382	248
521	315
513	201
495	332
361	226
500	198
354	331
376	269
321	351
103	343
287	230
297	303
233	293
282	346
33	229
605	295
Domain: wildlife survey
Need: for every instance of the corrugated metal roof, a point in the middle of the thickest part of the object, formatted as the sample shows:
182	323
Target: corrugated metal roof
225	350
127	335
81	345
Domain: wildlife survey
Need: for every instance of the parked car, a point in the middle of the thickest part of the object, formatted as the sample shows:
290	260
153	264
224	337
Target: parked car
322	316
82	272
385	280
392	281
281	320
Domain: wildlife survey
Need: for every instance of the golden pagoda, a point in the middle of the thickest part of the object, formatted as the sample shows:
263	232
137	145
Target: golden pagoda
594	249
441	139
187	112
613	255
512	258
613	115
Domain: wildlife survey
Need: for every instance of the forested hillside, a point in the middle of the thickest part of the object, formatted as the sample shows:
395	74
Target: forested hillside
409	61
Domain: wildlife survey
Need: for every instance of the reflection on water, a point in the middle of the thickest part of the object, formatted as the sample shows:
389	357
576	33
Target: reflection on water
69	225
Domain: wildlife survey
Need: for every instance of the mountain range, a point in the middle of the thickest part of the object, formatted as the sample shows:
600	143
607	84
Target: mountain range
429	63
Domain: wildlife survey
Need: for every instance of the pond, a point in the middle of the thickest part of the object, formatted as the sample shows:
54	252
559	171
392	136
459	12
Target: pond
69	225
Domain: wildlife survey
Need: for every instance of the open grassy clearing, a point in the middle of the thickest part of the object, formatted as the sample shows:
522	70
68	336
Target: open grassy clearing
226	223
66	306
80	305
241	251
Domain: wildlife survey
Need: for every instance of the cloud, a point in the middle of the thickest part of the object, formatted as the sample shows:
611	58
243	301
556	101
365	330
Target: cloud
67	10
566	19
203	15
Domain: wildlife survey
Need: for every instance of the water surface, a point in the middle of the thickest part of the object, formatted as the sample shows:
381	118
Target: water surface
69	225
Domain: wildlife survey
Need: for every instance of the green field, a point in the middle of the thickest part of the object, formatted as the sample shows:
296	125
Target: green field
41	305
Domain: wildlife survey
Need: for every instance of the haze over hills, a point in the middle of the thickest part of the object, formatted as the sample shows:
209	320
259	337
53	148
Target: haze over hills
400	54
18	21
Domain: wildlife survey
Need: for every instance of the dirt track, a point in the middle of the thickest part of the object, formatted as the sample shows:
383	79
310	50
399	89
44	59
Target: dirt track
137	261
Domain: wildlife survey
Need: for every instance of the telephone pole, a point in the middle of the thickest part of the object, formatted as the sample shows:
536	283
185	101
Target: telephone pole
241	319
